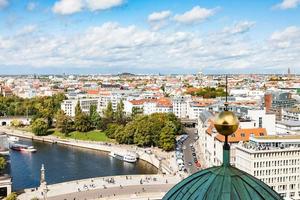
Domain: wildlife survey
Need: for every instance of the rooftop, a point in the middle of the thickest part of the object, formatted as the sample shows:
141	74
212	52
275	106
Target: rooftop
290	123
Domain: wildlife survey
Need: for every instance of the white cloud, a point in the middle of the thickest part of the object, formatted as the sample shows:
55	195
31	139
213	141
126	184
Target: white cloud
27	29
67	7
287	4
3	3
158	16
31	6
286	38
240	27
196	14
114	46
103	4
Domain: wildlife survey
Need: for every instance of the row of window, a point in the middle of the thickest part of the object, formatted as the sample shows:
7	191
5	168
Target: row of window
276	163
276	154
287	179
273	172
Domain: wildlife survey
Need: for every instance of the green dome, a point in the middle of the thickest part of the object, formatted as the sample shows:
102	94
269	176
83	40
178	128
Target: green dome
223	182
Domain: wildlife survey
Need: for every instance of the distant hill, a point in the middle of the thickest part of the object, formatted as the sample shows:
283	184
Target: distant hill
126	74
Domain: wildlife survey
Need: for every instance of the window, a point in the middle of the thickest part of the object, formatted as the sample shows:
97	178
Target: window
260	122
261	134
243	134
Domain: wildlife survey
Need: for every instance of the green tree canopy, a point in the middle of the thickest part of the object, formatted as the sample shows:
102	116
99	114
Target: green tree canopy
120	115
12	196
82	122
78	110
96	121
2	163
39	127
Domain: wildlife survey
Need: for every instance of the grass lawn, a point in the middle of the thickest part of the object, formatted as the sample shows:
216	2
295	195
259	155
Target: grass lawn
91	135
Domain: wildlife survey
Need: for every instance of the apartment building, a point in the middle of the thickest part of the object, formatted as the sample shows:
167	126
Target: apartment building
68	106
275	160
211	142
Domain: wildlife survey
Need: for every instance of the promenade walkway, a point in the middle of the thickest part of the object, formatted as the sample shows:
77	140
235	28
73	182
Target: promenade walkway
113	187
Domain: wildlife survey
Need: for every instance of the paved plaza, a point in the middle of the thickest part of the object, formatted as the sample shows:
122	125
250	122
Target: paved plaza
104	187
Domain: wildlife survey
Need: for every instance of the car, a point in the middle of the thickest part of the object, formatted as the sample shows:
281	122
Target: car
198	164
190	163
191	145
196	137
193	149
184	147
194	154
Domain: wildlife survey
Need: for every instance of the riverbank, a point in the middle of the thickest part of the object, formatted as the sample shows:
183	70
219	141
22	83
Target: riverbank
164	161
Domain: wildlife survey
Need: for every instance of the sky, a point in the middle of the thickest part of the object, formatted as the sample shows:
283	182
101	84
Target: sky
149	36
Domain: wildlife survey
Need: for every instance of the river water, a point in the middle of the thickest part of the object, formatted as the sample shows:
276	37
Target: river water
64	163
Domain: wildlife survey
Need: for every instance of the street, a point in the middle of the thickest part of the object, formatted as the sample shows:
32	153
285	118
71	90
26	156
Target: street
187	151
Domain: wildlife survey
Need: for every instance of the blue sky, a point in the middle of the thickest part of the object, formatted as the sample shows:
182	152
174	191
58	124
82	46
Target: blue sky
149	36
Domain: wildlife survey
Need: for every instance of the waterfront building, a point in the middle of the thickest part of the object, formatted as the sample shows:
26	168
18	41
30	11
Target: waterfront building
274	160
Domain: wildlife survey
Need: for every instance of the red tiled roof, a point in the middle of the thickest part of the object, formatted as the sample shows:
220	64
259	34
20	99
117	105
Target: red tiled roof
92	91
239	135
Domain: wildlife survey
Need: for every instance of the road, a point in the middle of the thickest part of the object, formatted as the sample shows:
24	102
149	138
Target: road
187	152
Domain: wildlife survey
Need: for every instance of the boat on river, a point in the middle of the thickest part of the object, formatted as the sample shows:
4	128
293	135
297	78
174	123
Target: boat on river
127	157
22	147
12	139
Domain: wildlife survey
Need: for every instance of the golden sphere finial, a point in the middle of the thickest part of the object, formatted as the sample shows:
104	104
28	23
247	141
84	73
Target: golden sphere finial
226	123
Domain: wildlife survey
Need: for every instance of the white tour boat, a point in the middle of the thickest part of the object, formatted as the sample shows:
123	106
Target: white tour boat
12	139
127	157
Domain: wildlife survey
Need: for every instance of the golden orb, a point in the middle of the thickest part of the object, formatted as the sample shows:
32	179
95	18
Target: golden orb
226	123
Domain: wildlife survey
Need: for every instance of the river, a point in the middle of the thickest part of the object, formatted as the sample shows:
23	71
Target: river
64	163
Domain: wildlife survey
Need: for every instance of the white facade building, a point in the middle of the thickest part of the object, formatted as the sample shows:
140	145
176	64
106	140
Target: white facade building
288	127
275	160
68	106
180	106
260	119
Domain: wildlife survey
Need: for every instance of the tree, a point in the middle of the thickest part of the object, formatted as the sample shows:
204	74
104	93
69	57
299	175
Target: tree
60	118
108	114
11	196
119	115
142	135
82	122
168	137
16	123
67	126
95	118
2	163
39	127
126	135
78	110
111	130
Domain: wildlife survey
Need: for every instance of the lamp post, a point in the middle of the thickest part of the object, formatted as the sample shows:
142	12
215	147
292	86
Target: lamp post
43	183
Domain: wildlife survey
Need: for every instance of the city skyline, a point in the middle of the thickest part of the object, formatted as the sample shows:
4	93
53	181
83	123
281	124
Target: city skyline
89	36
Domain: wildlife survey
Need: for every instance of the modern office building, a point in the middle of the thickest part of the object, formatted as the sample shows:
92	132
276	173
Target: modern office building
274	160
